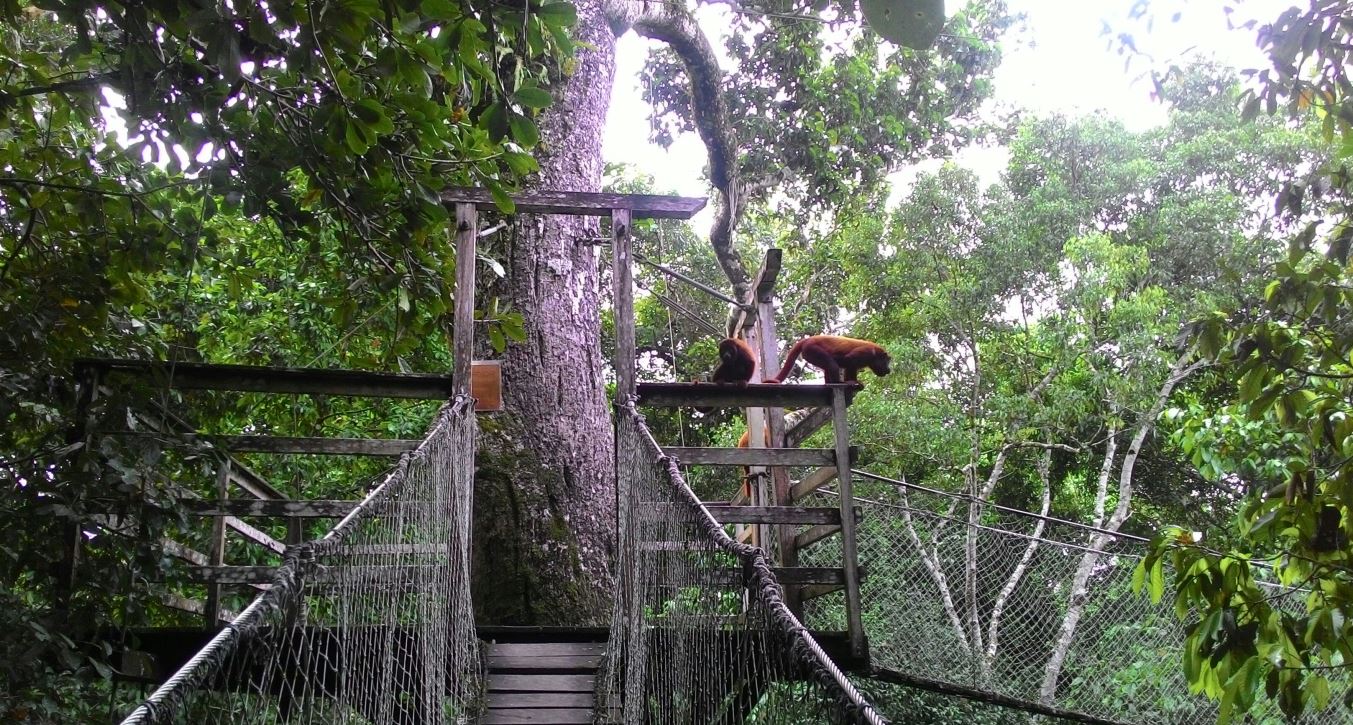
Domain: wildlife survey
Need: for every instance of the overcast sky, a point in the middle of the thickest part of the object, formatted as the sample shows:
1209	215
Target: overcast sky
1060	63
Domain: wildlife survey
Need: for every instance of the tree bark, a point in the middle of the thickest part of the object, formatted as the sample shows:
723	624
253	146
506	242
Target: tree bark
545	484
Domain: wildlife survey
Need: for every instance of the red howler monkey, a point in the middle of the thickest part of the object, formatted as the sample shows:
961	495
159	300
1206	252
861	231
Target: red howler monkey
841	358
736	362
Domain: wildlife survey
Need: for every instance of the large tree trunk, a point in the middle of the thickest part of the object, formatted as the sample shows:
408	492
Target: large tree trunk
545	486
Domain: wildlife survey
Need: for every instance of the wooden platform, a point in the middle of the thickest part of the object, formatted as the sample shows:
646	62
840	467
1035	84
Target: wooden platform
757	395
541	682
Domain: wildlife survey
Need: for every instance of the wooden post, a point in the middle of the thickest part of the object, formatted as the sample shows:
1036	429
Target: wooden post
467	226
622	278
775	424
216	554
72	535
849	552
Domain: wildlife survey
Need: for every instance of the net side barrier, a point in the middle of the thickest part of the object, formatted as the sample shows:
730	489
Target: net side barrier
983	607
700	631
372	623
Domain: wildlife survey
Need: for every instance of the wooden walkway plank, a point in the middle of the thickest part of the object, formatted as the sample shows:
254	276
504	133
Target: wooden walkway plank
552	663
518	700
555	716
495	649
541	683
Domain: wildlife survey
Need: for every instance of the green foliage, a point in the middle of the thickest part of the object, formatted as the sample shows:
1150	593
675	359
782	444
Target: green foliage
1270	604
234	183
823	117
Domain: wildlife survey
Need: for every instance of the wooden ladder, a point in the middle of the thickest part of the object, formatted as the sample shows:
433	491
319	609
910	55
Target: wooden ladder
541	682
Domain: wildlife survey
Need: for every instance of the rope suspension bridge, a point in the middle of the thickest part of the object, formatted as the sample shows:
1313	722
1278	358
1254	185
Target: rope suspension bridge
754	610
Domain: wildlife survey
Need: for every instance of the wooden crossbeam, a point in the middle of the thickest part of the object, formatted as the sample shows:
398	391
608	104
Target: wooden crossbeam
807	426
813	481
755	395
754	456
582	203
319	446
815	534
752	514
317	509
786	575
485	380
328	575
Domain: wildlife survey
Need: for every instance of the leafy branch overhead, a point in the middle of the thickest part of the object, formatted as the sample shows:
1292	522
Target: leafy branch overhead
783	127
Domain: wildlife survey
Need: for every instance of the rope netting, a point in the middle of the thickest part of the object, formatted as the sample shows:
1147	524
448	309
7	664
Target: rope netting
1030	610
700	631
372	623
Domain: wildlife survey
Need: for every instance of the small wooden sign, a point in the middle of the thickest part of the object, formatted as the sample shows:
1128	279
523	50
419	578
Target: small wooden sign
486	385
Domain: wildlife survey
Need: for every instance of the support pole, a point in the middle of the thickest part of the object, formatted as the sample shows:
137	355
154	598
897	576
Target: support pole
467	221
849	551
216	554
769	354
622	277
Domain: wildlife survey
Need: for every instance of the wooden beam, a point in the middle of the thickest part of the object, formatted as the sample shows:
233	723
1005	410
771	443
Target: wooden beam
318	509
256	379
815	534
849	552
814	591
812	482
786	575
754	456
216	552
319	446
622	282
756	395
763	286
467	224
583	203
811	423
753	514
345	575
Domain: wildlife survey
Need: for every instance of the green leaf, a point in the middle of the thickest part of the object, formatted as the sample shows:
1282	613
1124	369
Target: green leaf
372	115
1157	581
524	130
909	23
439	9
520	163
558	14
532	97
495	119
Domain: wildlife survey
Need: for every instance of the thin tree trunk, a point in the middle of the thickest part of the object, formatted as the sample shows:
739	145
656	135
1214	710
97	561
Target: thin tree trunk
1017	574
935	568
1047	694
545	487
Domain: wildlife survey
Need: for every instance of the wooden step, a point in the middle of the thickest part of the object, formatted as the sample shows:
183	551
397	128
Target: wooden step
544	716
755	395
540	683
695	456
555	657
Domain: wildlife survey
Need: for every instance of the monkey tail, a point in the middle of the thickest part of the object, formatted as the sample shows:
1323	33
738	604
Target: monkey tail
789	362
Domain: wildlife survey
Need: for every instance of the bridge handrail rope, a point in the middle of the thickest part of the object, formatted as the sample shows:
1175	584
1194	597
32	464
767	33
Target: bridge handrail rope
452	428
762	585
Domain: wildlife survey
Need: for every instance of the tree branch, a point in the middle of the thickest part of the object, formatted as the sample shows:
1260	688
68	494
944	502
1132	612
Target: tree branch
675	26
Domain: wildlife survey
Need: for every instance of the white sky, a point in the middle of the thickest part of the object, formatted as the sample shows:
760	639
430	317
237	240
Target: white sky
1060	63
